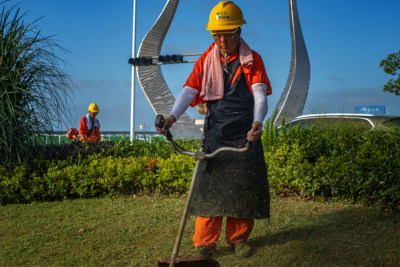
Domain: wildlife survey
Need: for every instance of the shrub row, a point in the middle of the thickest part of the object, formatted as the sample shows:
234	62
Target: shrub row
98	176
342	162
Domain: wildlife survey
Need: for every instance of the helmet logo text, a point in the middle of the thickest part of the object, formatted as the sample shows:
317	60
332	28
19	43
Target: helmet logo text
222	15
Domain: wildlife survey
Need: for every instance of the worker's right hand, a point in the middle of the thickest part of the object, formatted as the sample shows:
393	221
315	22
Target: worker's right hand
167	124
255	132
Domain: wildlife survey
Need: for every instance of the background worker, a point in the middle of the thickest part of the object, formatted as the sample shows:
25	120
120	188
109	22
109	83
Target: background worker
89	128
230	79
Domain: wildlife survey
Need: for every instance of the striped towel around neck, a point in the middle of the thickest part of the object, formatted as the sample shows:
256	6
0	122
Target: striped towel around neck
212	87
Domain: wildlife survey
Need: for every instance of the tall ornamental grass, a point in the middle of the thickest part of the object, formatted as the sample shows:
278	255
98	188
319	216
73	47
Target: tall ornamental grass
34	89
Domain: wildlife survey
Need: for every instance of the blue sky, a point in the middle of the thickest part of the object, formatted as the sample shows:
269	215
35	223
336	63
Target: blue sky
346	40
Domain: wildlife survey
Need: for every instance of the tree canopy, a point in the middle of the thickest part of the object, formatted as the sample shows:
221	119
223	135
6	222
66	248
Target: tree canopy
391	65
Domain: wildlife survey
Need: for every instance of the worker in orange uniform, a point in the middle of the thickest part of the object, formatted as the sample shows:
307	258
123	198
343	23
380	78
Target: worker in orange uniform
89	128
230	80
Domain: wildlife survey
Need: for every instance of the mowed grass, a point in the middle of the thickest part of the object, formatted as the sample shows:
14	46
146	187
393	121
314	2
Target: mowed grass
135	231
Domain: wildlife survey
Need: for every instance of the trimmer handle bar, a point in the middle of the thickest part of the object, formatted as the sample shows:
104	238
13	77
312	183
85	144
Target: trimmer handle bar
198	155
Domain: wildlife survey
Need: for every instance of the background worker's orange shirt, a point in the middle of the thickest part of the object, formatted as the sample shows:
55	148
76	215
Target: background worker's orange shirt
256	74
84	131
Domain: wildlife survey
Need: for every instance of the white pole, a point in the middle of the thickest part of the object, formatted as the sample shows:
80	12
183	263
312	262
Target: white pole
132	130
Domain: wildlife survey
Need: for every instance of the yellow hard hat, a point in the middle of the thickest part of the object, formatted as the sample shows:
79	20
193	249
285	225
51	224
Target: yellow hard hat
94	108
225	16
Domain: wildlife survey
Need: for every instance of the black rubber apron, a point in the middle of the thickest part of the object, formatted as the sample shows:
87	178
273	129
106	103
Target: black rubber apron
231	184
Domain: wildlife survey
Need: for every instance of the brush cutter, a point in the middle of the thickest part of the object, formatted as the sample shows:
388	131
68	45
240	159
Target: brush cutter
174	260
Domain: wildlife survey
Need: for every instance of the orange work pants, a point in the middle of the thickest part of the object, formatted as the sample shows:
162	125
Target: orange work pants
208	229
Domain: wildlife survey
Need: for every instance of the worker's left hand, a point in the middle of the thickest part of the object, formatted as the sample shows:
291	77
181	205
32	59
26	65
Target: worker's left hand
255	133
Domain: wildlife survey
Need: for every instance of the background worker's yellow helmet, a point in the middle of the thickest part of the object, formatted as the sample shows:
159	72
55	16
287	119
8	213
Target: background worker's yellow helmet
225	16
94	108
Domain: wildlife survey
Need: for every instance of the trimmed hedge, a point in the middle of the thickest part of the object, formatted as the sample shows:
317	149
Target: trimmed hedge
97	177
341	161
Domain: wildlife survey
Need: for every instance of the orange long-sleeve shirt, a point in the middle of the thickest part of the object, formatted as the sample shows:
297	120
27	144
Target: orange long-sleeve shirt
84	131
256	74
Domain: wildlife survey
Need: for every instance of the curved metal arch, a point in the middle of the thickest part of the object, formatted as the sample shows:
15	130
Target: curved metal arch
289	106
152	80
294	95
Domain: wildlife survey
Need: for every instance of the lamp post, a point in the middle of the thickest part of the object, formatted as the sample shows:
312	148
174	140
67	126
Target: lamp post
132	126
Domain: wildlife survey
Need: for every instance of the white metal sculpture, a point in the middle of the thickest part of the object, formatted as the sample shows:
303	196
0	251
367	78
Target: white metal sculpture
294	95
152	80
290	104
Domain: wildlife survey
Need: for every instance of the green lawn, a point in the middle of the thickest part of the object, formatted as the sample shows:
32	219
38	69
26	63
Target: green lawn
135	231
